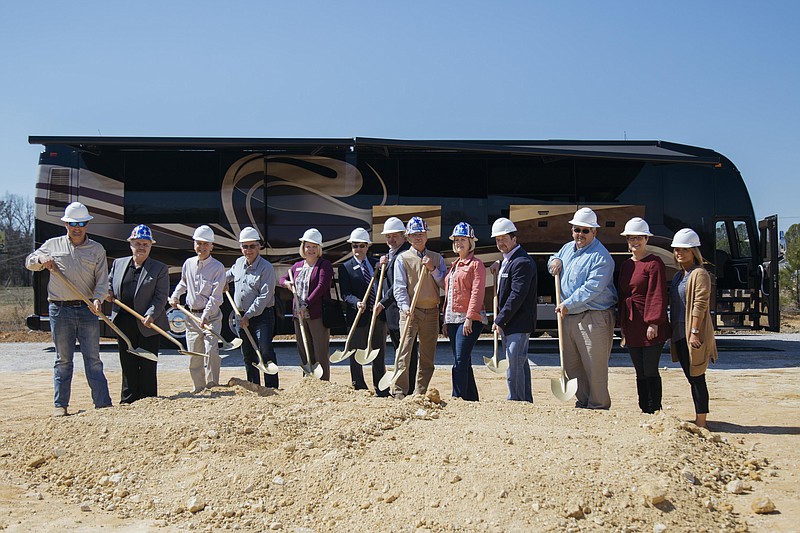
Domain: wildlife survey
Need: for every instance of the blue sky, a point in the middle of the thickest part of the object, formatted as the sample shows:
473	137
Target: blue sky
722	75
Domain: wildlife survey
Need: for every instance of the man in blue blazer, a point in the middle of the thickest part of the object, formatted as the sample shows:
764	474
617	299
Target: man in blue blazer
516	308
141	283
354	278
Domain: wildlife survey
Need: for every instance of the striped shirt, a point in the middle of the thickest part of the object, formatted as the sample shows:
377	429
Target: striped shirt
203	282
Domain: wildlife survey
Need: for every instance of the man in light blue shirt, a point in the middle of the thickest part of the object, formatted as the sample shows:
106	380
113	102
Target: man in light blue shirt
254	295
587	309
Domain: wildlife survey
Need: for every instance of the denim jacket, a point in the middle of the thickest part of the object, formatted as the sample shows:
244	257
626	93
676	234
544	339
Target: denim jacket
587	276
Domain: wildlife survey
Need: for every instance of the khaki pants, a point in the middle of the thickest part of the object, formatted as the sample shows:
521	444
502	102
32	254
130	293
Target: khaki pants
587	348
425	323
204	371
319	339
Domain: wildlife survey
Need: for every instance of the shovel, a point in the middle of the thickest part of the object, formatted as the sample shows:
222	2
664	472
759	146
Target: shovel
309	369
492	363
271	368
226	346
368	355
141	353
341	355
390	377
562	388
159	330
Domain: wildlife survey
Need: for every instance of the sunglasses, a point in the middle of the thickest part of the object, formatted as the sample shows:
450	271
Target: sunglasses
361	245
77	224
249	246
581	230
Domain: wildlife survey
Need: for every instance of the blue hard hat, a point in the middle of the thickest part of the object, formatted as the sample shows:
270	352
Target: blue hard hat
463	229
142	232
416	225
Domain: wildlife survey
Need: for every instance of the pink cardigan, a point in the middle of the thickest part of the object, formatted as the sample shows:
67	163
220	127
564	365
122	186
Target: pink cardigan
469	285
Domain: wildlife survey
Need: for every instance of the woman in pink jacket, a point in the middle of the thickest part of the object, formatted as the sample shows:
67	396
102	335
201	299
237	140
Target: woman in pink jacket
464	315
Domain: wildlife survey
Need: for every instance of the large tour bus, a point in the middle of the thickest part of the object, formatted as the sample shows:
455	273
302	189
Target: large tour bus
284	186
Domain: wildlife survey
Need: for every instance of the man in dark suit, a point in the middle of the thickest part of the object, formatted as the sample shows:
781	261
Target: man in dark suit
395	233
355	275
141	283
516	308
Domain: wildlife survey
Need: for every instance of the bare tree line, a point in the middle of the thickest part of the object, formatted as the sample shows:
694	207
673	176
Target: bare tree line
16	225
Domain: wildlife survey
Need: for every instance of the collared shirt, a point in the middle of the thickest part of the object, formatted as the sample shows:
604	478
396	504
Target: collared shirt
254	285
586	277
84	265
203	282
400	286
506	258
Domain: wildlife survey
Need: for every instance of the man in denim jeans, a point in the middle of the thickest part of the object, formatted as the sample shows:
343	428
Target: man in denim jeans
254	294
83	262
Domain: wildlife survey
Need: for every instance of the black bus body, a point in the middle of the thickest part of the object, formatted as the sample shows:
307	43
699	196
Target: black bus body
285	186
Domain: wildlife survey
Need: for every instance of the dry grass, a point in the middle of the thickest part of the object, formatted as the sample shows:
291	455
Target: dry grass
16	303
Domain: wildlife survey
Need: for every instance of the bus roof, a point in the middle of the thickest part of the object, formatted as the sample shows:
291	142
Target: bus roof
655	151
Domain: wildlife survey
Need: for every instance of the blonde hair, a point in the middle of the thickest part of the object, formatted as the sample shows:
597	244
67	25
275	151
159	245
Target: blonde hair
303	245
471	245
698	257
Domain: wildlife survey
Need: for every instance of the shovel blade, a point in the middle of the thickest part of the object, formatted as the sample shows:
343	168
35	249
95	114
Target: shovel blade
371	356
317	371
145	355
228	346
387	380
339	355
361	356
502	365
270	369
563	389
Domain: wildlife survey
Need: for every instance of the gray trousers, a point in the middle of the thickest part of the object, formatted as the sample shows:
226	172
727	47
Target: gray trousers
587	348
319	339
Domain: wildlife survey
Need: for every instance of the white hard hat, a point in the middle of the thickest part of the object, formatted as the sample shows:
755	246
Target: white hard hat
359	235
585	217
685	238
76	212
503	226
312	235
249	234
203	234
636	226
393	225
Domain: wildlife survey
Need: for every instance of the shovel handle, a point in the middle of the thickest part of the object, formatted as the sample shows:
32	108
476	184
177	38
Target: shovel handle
560	322
359	312
407	325
153	325
246	330
89	303
301	322
374	310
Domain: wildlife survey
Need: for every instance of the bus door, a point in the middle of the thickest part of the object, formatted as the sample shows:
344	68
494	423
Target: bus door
737	294
768	293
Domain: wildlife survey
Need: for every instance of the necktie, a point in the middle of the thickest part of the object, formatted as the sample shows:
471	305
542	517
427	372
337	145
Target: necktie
367	278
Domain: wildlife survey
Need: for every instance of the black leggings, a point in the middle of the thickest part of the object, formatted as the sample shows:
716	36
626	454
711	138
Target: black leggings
697	383
645	360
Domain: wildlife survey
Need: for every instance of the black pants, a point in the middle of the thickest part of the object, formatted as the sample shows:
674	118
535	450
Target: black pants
394	336
648	383
697	383
138	374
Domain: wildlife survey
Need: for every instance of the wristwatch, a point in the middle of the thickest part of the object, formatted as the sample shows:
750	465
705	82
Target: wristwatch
695	331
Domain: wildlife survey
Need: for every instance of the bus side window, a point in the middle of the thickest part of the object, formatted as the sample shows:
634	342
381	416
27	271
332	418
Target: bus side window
742	238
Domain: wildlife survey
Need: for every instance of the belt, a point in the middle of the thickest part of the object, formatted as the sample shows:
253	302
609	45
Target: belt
197	311
68	303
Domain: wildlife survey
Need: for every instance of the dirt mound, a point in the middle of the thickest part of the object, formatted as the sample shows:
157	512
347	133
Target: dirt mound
321	457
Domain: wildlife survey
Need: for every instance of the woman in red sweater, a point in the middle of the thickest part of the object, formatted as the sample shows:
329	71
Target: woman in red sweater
643	312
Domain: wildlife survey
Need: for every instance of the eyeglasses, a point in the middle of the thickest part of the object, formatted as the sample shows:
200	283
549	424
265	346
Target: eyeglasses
249	246
634	238
581	230
78	224
358	245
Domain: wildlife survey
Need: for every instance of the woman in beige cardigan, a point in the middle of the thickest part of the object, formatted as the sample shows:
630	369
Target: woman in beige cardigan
693	343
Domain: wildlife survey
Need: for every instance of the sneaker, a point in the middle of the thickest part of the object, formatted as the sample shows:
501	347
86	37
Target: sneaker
198	390
60	411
